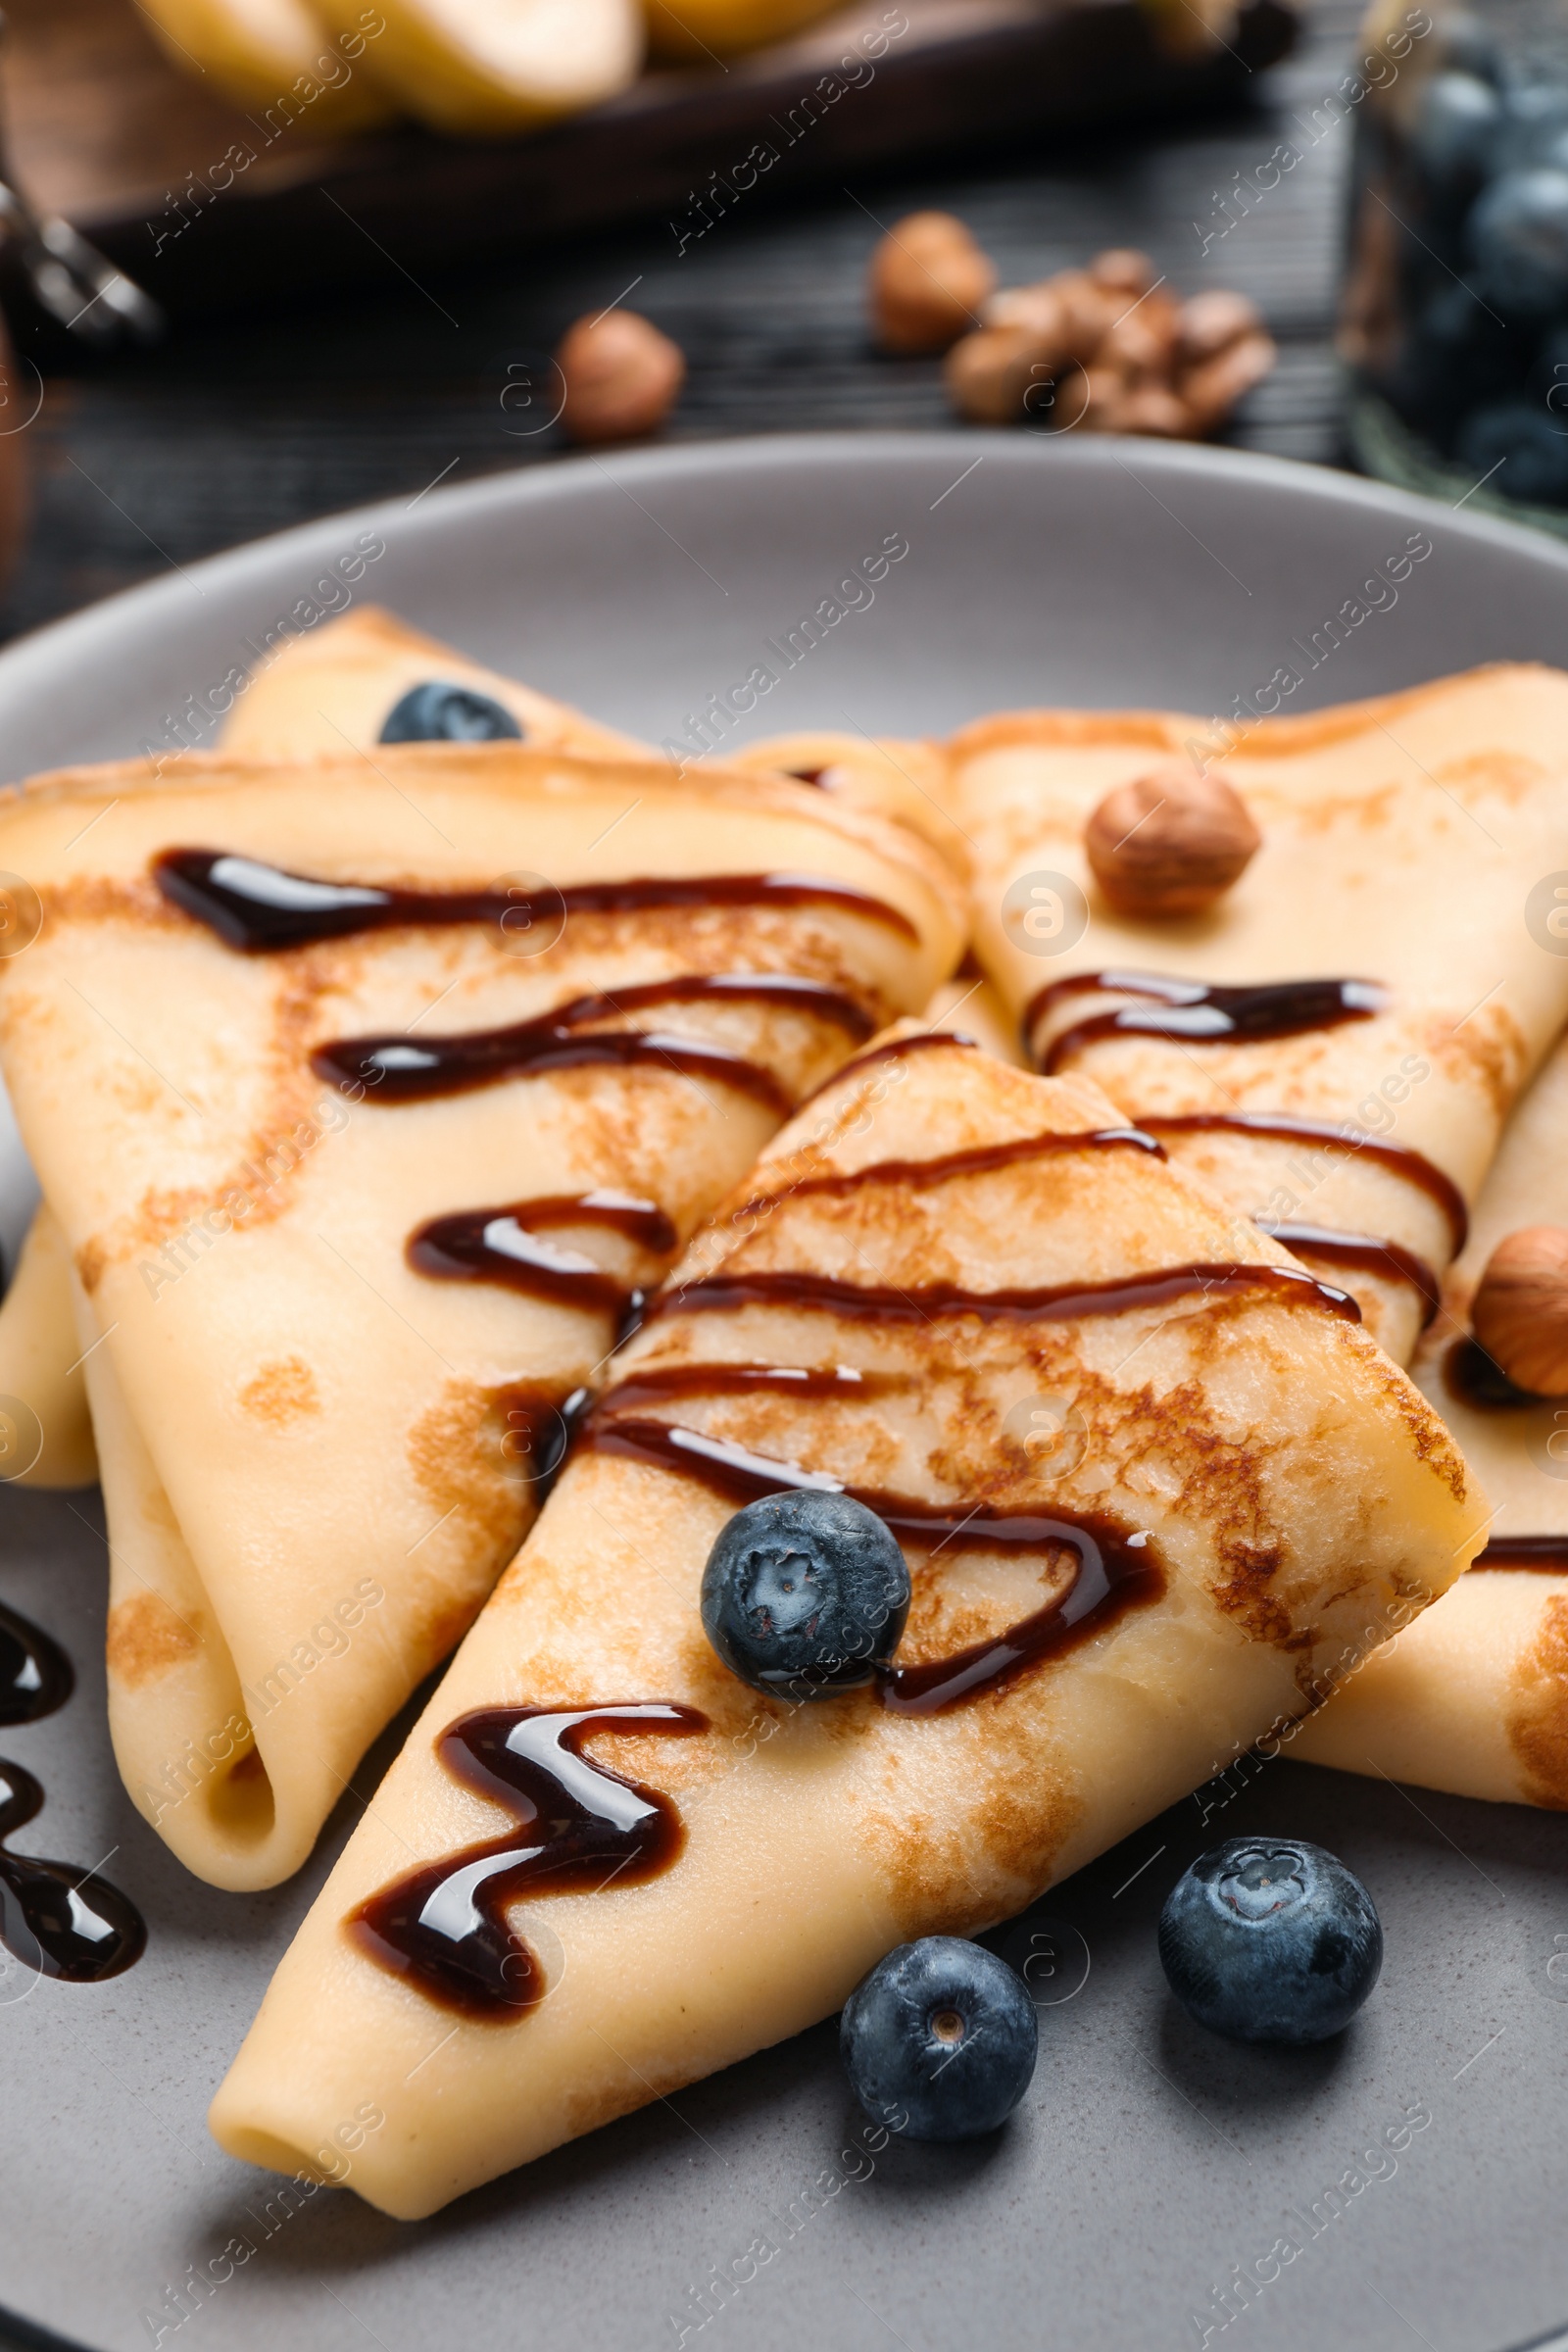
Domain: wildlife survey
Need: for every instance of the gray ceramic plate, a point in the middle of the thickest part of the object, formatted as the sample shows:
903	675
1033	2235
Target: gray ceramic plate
1151	2166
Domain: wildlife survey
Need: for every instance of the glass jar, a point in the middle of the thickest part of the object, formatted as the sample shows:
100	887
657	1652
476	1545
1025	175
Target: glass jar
1453	320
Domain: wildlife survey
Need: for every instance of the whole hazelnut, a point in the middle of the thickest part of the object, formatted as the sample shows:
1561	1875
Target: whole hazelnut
1143	340
1169	843
1208	322
1212	389
1088	311
1039	309
1153	410
1124	271
928	280
999	374
622	377
1520	1311
1104	398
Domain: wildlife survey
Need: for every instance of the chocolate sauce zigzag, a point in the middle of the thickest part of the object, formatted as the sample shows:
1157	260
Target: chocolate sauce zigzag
500	1244
580	1825
1058	1302
259	908
402	1070
1198	1011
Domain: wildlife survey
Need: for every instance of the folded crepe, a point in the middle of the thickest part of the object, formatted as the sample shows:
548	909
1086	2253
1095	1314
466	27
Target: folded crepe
1400	842
1474	1697
1156	1484
338	687
970	1005
45	1425
332	690
906	779
361	1142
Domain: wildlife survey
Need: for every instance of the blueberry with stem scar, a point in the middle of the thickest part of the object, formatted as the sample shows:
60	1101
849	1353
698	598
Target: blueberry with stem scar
806	1595
943	2035
433	712
1270	1940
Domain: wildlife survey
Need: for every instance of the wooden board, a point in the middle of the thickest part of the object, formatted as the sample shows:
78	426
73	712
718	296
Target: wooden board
105	130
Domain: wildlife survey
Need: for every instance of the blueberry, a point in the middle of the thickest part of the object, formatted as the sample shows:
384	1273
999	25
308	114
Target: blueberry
1270	1940
1533	115
1469	48
438	714
1518	241
1525	449
941	2032
1457	127
806	1595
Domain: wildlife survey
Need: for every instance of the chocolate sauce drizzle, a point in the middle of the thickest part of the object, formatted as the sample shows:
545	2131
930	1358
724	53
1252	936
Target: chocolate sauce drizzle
35	1675
896	1049
1200	1011
500	1245
1365	1254
401	1069
1116	1569
259	908
980	1160
54	1918
836	1383
1063	1303
1545	1554
1279	1126
579	1826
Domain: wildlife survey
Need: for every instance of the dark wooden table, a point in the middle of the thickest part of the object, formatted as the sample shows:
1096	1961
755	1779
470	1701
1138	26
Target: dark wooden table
235	429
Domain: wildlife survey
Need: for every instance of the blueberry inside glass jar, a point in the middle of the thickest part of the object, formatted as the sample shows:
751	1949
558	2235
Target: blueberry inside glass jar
1453	320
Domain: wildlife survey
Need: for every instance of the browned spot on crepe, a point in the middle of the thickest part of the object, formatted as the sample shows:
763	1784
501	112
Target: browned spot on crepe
455	1453
1537	1721
281	1391
1489	1052
146	1636
1021	1807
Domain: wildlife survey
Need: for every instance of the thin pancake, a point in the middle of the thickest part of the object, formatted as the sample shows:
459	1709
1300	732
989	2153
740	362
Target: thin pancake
1401	840
332	1331
1474	1697
1269	1490
338	686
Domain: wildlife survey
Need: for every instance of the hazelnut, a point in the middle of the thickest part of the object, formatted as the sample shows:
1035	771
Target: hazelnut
928	280
1142	341
1124	271
992	374
1211	390
1088	311
1106	390
1520	1311
1154	410
1039	309
622	377
1208	322
1170	843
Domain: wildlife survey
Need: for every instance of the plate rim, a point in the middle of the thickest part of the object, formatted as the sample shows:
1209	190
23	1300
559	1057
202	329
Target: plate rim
550	479
555	478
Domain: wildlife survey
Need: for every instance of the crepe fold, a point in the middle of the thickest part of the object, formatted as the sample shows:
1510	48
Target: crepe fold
1474	1697
1095	1411
317	1445
336	689
45	1424
1401	840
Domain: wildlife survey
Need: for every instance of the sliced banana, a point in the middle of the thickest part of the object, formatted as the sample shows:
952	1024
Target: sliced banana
278	54
487	67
